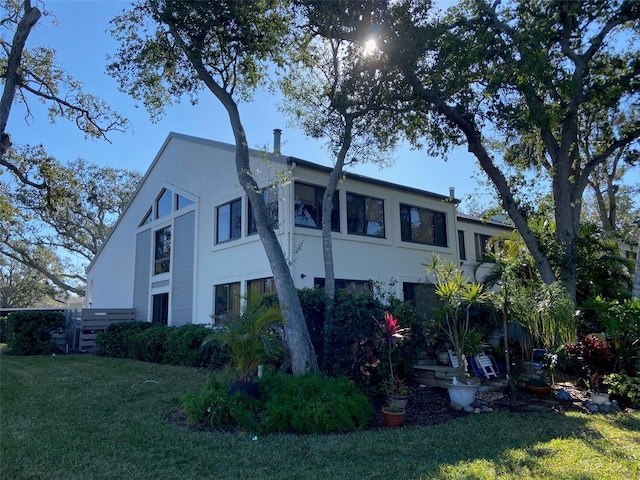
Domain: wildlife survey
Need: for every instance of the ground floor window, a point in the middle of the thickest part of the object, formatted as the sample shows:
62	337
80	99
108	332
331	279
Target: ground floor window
261	286
227	300
422	296
355	286
160	308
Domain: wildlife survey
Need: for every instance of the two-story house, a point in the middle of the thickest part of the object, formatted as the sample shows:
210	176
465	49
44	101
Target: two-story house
186	246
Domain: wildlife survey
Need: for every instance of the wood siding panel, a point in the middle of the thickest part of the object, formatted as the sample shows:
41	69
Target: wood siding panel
141	275
182	268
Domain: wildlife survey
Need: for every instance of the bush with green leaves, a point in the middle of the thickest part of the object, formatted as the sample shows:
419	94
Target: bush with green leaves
3	329
29	331
625	386
354	337
148	345
184	346
311	403
114	341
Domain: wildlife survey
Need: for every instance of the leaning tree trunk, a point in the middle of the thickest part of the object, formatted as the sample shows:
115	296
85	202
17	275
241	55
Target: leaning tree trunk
636	276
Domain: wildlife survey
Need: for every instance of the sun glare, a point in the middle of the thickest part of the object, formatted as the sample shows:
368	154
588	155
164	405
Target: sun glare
370	46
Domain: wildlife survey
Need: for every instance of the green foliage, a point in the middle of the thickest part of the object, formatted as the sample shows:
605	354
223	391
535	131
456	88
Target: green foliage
184	346
457	295
147	342
3	329
29	331
310	403
114	341
148	345
355	334
625	386
620	321
251	338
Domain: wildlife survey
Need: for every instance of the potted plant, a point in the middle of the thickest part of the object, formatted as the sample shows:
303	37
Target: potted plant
251	340
596	360
457	294
397	392
392	335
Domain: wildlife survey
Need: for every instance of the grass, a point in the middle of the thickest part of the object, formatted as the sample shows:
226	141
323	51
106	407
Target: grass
79	417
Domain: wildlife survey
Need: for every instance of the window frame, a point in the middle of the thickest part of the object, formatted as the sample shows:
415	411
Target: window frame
483	247
232	296
366	220
317	206
462	246
270	196
439	234
165	259
235	206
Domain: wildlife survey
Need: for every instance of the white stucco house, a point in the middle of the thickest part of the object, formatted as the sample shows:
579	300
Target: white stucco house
185	247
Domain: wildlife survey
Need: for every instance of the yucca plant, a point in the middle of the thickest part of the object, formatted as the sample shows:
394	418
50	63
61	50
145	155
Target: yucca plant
457	294
251	337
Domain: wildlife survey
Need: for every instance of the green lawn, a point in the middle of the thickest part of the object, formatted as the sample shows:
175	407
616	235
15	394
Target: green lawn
86	417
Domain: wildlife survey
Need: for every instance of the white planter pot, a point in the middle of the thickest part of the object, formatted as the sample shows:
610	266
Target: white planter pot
462	394
599	398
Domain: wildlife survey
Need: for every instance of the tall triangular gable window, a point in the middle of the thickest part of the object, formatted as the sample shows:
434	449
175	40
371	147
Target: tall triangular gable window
163	203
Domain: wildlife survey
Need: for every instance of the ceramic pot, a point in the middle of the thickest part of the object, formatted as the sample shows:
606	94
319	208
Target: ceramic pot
599	398
399	400
393	419
462	394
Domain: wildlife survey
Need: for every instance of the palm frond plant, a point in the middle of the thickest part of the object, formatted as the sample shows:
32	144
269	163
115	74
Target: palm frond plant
457	294
251	337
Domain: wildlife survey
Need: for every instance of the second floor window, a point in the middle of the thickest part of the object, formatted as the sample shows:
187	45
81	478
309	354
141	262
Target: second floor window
308	209
365	215
162	254
421	225
483	248
461	245
270	196
229	221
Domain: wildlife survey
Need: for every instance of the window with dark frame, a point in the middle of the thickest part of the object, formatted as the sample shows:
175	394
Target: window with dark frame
483	248
164	203
229	221
422	225
261	286
160	308
365	215
461	245
308	207
270	196
162	250
227	299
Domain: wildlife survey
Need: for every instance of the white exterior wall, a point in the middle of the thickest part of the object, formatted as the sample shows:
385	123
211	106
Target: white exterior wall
360	257
204	172
471	266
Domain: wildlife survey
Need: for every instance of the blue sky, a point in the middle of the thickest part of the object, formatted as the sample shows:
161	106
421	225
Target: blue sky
82	42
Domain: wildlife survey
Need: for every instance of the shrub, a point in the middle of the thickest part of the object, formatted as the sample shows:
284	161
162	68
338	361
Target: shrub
3	329
310	403
625	386
113	342
148	345
29	332
183	346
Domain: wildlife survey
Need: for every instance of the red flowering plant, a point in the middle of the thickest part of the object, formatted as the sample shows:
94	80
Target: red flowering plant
595	359
392	336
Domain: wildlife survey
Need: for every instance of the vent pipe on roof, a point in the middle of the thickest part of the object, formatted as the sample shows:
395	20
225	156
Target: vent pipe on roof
452	193
277	133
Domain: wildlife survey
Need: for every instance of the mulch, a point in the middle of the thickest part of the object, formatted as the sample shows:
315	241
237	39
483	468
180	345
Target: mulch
431	405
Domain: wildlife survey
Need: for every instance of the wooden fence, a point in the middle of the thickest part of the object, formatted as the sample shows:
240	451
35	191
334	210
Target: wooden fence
96	320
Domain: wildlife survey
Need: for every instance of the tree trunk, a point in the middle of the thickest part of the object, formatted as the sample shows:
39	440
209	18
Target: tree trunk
636	277
11	77
297	339
327	244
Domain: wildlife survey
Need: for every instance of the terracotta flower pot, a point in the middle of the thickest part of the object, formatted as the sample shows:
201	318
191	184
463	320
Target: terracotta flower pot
539	390
393	419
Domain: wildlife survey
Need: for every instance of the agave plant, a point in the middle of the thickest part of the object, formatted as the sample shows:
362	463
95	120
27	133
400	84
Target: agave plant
251	337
